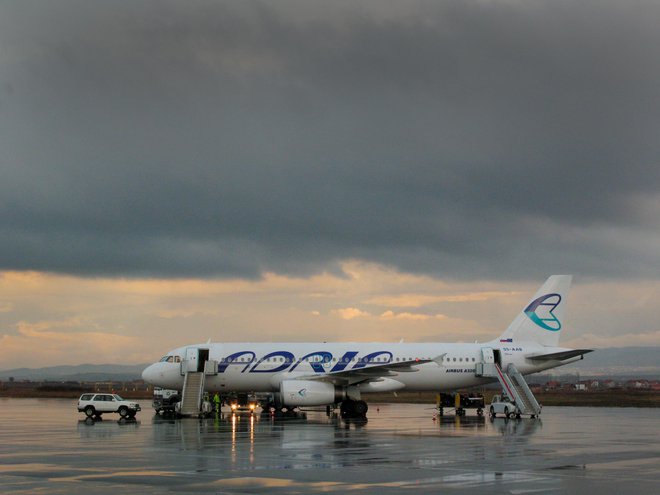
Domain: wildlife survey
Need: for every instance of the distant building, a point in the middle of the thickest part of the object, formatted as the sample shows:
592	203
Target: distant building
638	384
116	387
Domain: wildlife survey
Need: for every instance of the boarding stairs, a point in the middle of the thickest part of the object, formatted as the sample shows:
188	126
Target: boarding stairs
514	386
193	391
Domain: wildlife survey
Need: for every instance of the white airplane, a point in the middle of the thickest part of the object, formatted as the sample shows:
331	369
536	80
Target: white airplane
317	374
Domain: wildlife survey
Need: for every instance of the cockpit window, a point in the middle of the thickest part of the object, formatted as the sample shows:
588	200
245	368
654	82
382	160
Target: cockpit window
170	359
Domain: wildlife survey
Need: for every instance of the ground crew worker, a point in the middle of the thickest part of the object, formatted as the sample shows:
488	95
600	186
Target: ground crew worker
216	402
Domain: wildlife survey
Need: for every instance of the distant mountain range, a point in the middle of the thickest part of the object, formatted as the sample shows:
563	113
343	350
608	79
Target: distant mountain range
79	373
640	362
636	362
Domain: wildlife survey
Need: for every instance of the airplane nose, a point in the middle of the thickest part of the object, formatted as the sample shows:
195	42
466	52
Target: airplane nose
148	374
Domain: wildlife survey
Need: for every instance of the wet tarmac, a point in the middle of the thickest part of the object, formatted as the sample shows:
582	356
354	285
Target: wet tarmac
47	447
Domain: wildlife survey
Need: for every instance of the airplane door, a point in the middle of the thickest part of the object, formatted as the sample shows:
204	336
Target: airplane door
487	365
190	363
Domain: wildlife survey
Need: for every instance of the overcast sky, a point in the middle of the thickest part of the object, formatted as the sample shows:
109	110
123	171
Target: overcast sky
480	145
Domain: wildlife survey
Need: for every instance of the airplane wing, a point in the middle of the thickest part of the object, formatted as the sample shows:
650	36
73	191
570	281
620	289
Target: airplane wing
371	373
559	356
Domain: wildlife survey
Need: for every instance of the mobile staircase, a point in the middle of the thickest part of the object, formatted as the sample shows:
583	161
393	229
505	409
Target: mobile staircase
514	386
193	391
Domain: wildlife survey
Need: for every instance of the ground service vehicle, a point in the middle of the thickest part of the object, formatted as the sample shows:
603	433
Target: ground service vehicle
97	404
243	403
460	402
165	400
502	405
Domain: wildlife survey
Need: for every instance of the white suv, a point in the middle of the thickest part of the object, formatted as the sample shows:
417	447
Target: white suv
97	404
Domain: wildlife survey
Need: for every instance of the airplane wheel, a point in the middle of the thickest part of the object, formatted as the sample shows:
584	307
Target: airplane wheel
360	408
347	408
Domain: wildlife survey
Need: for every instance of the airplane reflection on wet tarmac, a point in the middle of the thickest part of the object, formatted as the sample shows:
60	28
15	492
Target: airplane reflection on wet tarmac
199	434
600	450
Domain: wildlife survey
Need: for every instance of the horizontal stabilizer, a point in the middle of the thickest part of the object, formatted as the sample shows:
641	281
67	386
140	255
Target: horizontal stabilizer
560	356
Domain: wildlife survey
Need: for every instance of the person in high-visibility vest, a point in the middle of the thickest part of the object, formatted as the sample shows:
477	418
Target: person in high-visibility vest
216	402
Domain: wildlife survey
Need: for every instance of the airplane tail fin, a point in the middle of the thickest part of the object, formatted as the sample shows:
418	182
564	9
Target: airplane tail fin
542	318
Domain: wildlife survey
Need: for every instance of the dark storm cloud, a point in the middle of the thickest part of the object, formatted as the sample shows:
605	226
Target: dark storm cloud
230	138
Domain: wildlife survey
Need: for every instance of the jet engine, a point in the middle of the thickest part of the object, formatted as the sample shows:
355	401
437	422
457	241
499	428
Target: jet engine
309	393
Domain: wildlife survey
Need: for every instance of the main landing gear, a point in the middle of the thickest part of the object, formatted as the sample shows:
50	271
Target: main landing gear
353	409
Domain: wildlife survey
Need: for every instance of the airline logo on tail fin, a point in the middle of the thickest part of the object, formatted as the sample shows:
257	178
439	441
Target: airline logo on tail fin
540	311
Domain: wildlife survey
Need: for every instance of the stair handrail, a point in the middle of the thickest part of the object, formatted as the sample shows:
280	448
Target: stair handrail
518	377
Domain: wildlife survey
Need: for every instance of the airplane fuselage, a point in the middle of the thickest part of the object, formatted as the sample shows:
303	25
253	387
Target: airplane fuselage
261	367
